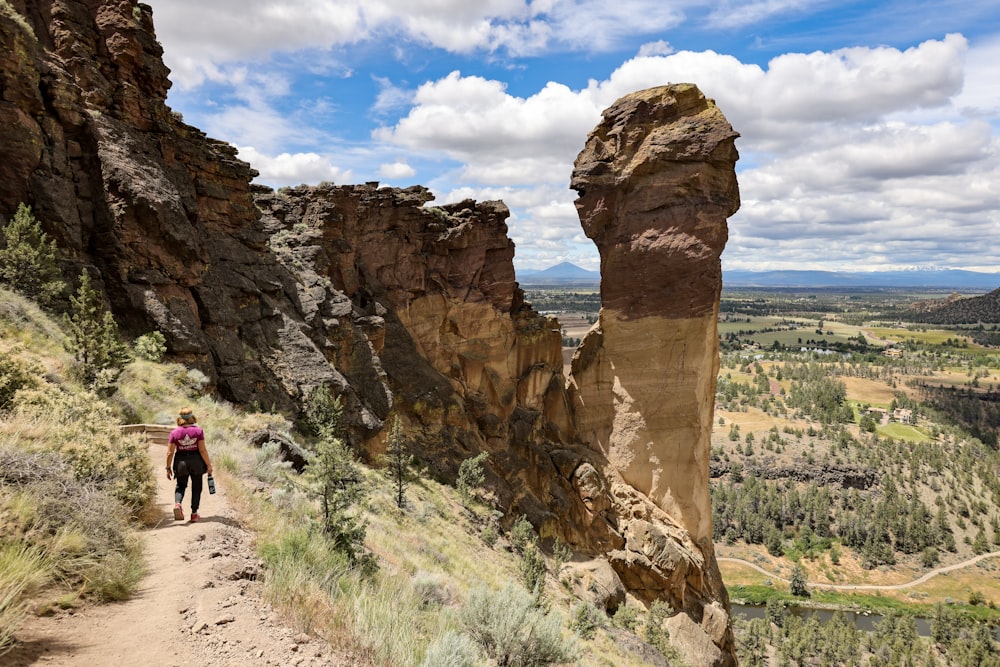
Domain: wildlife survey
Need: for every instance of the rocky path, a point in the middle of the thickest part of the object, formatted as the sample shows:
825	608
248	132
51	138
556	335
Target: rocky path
200	604
871	587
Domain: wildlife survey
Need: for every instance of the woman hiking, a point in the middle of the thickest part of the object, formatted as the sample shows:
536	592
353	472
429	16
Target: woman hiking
187	441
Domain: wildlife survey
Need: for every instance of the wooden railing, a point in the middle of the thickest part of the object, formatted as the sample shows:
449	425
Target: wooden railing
157	434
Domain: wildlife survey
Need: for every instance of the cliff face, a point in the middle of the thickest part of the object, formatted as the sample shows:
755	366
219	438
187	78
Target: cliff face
657	182
400	308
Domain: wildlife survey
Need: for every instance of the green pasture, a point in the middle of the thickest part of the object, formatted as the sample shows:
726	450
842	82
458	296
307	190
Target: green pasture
905	432
930	336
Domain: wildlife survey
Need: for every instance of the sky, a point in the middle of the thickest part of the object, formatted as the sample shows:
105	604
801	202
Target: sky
870	131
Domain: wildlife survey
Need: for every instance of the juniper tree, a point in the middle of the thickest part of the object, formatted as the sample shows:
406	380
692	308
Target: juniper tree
471	477
93	338
398	462
335	479
28	259
337	483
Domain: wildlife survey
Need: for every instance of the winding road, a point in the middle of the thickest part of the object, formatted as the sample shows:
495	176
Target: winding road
870	587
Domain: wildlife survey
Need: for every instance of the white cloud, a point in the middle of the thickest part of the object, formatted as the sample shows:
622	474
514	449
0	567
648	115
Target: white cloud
657	48
293	168
396	170
498	136
729	16
390	96
862	145
228	31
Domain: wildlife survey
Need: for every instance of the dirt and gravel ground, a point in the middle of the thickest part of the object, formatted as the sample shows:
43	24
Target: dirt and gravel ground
200	604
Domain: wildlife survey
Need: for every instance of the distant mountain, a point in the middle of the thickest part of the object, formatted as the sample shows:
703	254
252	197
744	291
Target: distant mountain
985	308
915	278
560	274
567	273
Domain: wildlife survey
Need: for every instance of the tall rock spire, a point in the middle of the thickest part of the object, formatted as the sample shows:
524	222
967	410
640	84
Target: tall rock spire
656	182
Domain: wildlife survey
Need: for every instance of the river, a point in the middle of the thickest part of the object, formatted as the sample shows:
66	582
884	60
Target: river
862	621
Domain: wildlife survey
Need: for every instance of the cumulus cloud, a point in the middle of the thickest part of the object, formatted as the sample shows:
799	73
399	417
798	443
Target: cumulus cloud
657	48
862	144
396	170
475	120
293	168
228	31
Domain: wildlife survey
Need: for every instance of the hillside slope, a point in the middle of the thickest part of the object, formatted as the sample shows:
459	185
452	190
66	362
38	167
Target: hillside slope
973	310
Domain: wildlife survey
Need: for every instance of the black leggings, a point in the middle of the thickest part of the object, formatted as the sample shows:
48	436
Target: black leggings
188	465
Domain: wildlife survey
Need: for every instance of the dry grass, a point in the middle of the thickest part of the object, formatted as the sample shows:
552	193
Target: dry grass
875	392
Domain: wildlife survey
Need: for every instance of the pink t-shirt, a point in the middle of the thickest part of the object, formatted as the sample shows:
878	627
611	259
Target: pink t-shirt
186	438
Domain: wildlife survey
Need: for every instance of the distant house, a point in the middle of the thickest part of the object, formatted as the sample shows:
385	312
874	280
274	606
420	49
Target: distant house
902	415
892	352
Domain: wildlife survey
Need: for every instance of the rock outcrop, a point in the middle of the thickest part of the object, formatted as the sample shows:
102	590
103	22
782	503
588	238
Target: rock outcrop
656	183
401	308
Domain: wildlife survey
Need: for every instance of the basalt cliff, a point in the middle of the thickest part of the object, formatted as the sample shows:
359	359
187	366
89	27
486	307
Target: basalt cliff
404	309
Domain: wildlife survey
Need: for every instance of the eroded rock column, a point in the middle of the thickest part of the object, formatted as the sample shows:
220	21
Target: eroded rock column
656	183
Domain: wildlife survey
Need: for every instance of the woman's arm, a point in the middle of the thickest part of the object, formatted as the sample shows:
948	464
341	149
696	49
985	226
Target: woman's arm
170	456
203	450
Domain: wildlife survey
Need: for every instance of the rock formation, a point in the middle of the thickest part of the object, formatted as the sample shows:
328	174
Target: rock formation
401	308
656	183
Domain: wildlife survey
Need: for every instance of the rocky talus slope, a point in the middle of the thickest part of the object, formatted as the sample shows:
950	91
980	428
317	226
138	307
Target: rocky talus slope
402	308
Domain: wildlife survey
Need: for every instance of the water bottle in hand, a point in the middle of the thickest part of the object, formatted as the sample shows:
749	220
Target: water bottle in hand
211	484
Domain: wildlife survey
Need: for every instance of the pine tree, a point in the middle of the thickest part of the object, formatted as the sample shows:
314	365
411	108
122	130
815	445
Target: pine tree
471	477
28	260
100	353
336	480
797	584
399	463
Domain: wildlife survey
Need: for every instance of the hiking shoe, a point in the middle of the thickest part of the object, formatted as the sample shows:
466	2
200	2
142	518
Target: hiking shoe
195	517
178	512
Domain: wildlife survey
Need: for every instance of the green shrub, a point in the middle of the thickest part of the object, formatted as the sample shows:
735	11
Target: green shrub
121	465
15	374
489	534
522	534
512	630
28	259
398	462
268	466
151	346
586	619
322	413
82	526
452	649
531	568
626	618
336	481
655	634
431	588
471	477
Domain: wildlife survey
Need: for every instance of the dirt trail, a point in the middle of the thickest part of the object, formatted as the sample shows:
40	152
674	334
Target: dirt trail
198	605
872	587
